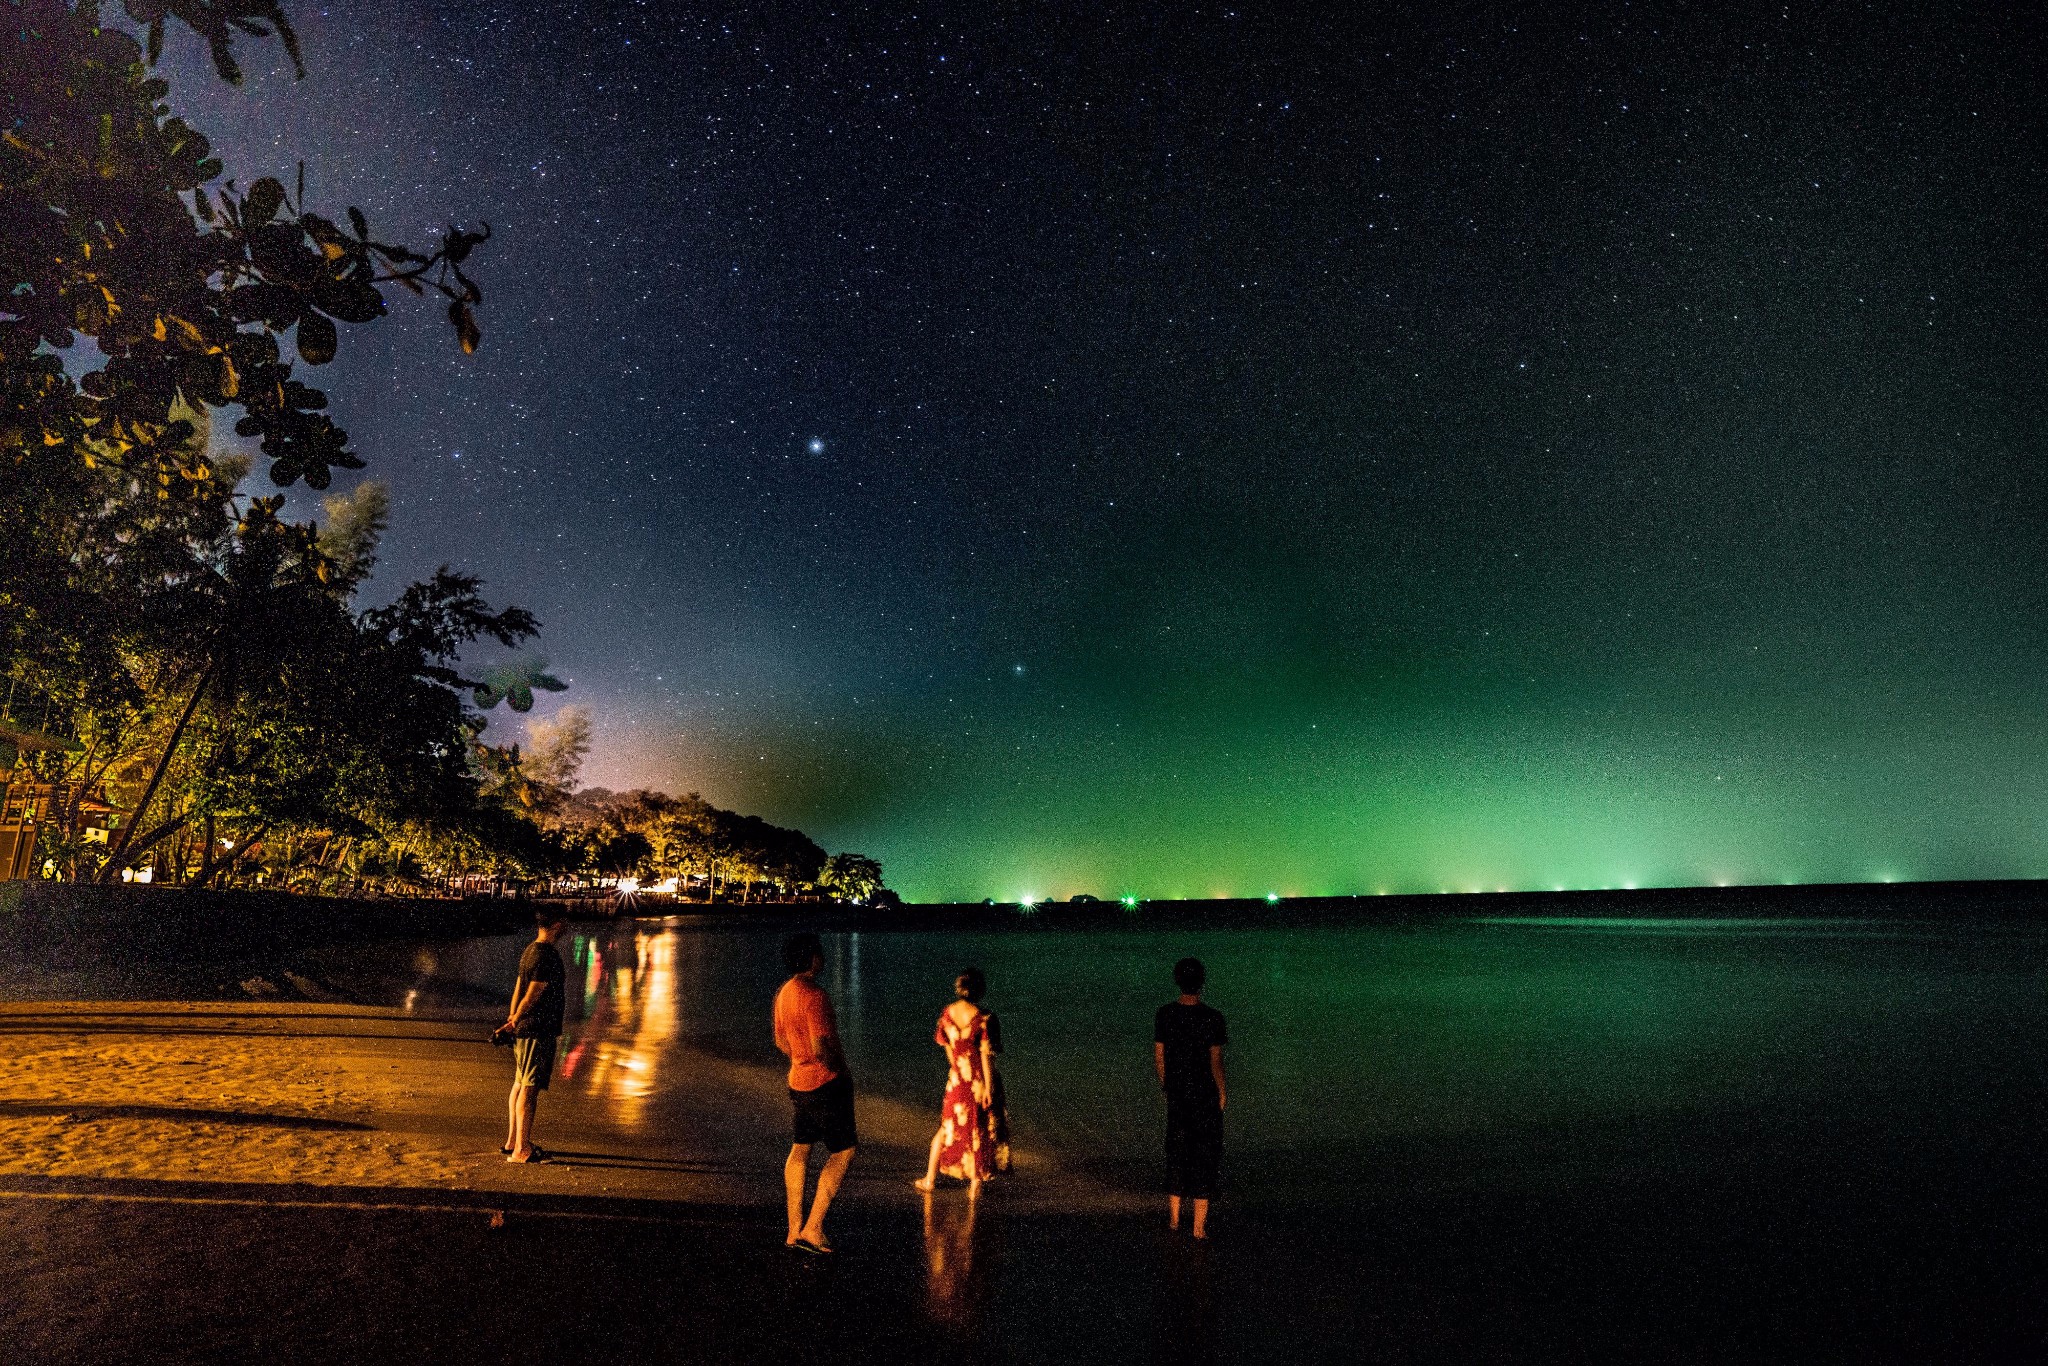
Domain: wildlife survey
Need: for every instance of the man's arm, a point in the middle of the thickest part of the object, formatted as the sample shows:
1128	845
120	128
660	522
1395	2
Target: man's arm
828	1037
1159	1062
1216	1071
829	1050
522	1004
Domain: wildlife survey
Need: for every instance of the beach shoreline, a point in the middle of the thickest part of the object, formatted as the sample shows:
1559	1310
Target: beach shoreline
222	1180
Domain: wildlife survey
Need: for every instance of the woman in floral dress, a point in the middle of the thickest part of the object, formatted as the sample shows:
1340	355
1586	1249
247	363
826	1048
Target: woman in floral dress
965	1145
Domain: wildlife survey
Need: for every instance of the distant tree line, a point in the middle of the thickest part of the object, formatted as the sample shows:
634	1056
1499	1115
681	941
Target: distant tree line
687	847
653	842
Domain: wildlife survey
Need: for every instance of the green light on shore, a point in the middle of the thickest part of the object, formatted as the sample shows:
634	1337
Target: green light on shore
1130	903
1272	897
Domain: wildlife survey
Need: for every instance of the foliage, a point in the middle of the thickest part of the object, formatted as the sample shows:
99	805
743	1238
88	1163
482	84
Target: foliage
707	849
853	876
191	660
513	684
107	231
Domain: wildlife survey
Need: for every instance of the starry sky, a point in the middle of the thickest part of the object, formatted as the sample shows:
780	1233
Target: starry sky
1082	448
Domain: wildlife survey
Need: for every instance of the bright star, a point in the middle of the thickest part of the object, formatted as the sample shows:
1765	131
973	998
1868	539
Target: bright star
817	446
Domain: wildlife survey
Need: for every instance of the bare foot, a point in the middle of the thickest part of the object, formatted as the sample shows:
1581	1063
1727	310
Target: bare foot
925	1184
816	1240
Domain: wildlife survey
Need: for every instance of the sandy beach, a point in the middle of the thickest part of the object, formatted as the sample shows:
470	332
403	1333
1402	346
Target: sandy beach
320	1150
355	1096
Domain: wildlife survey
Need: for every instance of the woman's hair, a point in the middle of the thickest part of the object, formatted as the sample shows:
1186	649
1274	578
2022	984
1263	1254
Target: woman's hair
969	986
1189	974
798	950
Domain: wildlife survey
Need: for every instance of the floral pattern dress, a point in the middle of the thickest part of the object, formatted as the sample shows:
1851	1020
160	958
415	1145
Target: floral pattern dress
967	1146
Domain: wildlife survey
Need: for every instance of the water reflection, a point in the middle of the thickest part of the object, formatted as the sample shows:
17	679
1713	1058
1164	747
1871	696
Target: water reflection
955	1277
629	1008
1184	1323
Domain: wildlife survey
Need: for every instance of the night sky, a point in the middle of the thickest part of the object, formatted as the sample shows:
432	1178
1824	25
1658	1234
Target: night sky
1437	447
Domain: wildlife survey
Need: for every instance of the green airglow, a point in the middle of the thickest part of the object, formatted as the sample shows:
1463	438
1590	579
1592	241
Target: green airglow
1221	795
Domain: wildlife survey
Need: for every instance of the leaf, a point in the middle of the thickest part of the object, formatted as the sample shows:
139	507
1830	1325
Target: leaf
514	683
357	303
466	330
290	40
224	57
156	40
317	340
266	196
356	221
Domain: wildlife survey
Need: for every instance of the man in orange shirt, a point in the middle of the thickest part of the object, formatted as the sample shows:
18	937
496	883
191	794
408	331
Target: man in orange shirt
820	1090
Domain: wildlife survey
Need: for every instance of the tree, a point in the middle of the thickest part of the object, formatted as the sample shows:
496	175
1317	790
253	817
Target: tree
556	748
621	854
855	877
183	647
107	231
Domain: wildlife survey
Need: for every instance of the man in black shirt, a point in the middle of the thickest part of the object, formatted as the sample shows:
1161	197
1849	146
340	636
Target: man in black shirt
1187	1050
535	1022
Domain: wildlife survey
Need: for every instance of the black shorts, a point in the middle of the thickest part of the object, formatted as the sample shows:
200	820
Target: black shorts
824	1116
1194	1150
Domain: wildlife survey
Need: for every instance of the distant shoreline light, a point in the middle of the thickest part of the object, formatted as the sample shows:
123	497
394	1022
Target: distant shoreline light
1032	901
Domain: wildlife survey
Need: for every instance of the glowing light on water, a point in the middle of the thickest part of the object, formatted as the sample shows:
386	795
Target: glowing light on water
1272	897
1130	903
628	886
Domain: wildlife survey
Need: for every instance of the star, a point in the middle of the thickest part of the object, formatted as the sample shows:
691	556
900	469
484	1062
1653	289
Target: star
817	445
